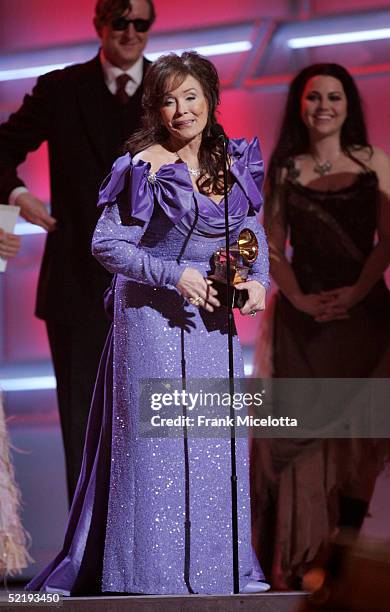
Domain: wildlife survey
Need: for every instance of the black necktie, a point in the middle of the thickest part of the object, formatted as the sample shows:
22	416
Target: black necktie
121	82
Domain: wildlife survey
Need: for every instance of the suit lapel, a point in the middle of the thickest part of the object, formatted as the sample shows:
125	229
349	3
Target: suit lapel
91	102
146	67
100	126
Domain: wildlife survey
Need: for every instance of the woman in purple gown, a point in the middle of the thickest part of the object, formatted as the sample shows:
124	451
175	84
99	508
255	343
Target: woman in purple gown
162	220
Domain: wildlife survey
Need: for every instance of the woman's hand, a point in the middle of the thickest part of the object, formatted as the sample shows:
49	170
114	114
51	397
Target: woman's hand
256	297
313	304
193	286
320	306
339	302
323	307
9	244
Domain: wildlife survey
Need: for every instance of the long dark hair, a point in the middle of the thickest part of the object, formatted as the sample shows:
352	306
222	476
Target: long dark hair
294	136
175	68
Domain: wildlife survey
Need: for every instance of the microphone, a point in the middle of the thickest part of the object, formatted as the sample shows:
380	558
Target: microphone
217	131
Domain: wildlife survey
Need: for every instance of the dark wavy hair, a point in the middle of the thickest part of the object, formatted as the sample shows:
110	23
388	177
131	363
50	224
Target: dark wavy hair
170	71
294	136
107	10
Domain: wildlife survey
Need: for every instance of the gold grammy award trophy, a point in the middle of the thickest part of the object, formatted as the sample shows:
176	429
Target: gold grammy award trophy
243	254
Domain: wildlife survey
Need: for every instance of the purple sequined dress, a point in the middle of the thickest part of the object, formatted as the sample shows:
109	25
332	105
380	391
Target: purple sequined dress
126	530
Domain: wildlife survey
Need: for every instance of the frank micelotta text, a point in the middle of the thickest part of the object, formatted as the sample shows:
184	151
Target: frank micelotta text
238	420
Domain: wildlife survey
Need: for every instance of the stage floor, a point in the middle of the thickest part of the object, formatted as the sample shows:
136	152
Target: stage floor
265	602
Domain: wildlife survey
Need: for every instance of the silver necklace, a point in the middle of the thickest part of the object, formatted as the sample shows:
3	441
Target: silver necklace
196	172
325	167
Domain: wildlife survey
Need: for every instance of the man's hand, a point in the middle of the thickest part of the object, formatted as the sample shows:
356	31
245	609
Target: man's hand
9	244
34	211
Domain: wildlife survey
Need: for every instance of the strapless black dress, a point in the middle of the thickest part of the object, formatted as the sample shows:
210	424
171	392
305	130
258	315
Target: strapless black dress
332	233
297	484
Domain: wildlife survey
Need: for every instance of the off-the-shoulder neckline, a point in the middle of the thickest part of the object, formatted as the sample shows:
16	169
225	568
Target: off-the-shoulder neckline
141	162
179	161
240	150
188	176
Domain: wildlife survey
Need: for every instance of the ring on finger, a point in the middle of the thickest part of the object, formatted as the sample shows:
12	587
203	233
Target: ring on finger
195	301
253	313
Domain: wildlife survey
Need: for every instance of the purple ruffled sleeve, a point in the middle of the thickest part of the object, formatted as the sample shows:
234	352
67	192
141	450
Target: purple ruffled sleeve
260	269
115	245
129	180
248	169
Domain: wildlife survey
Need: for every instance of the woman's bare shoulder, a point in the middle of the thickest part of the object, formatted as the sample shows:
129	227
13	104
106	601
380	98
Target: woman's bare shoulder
380	159
156	155
376	159
371	156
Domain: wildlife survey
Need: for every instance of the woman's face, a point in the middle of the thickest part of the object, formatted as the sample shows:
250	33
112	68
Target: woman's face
323	105
184	112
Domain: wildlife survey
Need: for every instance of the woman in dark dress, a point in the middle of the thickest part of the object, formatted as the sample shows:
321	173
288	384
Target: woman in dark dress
328	190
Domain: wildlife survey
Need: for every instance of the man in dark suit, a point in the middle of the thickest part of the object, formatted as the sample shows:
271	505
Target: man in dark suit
85	113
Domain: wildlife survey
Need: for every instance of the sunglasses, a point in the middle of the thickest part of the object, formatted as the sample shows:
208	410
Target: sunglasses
140	25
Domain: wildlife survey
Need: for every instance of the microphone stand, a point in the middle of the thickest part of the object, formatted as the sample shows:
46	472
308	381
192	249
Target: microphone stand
218	130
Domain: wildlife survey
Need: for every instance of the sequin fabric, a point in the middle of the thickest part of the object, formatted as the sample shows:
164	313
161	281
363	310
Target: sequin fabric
154	328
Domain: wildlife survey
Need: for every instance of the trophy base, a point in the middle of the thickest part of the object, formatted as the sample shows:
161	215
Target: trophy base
238	296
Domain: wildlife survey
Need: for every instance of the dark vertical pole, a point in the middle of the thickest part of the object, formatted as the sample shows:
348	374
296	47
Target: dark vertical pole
187	519
236	581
